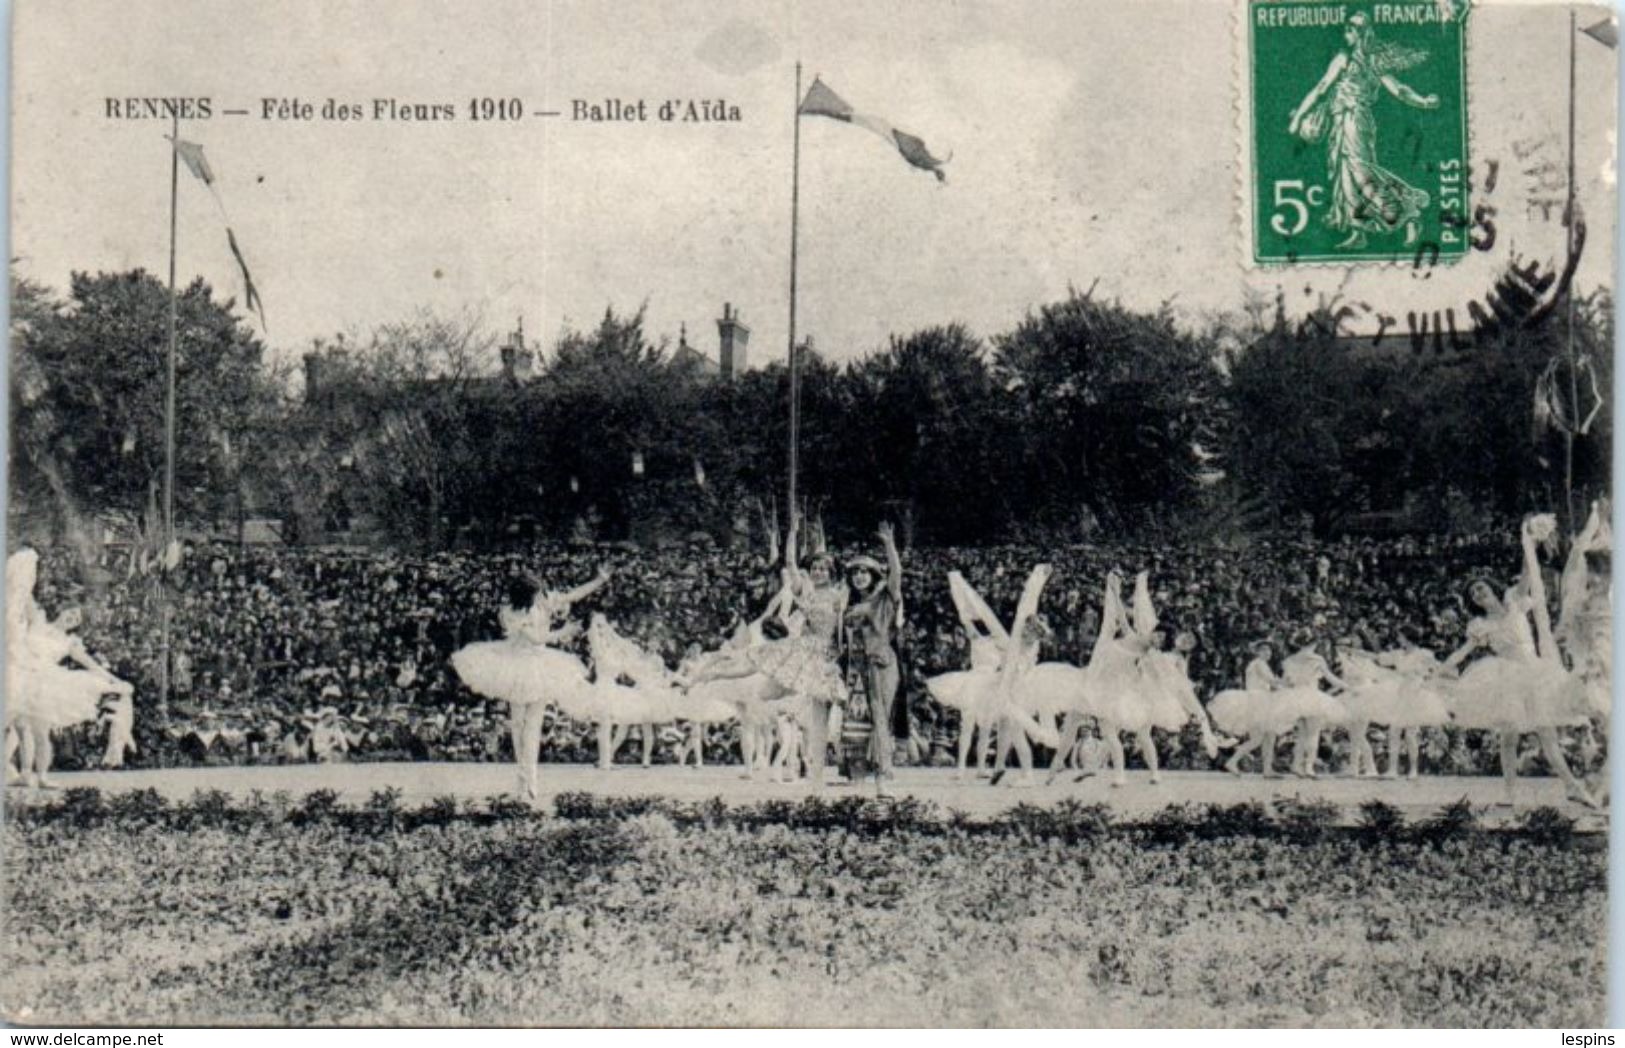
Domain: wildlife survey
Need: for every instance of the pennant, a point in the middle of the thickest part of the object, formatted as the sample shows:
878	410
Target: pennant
821	101
191	155
1604	32
251	293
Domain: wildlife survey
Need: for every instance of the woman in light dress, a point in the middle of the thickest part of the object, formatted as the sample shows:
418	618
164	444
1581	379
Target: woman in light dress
1365	196
526	668
42	694
1521	685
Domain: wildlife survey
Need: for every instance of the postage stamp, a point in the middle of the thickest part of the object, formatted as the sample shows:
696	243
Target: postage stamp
1357	130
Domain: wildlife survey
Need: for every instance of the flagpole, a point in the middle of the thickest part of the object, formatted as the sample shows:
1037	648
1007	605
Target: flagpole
169	426
795	379
1574	379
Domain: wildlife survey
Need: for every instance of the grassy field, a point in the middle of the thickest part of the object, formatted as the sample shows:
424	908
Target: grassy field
134	910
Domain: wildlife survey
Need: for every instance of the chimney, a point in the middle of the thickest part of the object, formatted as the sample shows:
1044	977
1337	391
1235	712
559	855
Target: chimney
313	375
735	337
517	361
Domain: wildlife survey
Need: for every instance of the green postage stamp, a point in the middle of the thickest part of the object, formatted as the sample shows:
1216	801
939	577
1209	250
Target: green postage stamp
1356	117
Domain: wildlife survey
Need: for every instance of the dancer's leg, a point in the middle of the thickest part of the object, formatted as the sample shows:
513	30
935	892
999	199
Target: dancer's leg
1148	749
1267	755
1553	750
43	751
1250	744
814	740
648	733
883	681
1114	746
967	735
1509	761
14	773
1071	729
527	745
608	742
1413	748
1363	757
30	740
1306	747
1022	747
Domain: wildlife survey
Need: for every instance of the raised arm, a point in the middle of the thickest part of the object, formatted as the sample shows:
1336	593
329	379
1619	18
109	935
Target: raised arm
586	589
894	563
1535	529
973	610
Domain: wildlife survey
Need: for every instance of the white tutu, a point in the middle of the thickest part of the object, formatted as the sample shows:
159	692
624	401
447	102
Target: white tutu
1240	711
1519	694
627	704
968	691
1122	694
1034	703
518	671
57	695
1374	702
1053	689
1169	688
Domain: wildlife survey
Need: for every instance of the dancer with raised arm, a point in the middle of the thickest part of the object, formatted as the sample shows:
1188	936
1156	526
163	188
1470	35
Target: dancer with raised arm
1521	685
526	668
871	622
801	664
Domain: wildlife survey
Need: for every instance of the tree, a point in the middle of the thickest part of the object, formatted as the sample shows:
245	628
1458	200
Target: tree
88	406
1111	409
922	439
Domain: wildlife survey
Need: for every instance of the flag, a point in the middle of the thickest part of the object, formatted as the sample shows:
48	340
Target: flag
821	101
191	155
1604	32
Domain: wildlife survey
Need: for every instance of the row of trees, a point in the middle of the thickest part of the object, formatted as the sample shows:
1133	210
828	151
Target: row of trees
1085	419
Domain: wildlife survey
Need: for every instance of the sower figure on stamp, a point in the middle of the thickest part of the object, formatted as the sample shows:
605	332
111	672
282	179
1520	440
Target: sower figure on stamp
872	622
1366	197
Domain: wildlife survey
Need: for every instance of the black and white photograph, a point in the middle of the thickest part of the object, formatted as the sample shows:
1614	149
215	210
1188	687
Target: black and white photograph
799	514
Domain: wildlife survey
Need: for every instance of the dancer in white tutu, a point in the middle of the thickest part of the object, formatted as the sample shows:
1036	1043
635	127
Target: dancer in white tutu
1585	620
43	695
1422	704
631	687
1132	688
1264	709
525	668
801	664
1165	675
971	691
1521	685
1303	673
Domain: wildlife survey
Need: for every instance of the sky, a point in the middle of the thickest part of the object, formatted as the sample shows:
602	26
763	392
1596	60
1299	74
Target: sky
1092	143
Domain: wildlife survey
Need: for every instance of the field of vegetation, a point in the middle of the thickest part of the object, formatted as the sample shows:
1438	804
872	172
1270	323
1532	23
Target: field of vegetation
125	909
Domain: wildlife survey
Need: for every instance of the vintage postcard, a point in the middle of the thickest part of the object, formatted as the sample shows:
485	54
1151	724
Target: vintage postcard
798	513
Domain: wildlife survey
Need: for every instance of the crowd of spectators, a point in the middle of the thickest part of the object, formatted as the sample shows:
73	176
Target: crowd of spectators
286	654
